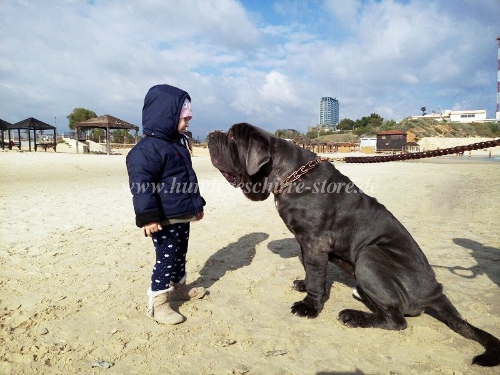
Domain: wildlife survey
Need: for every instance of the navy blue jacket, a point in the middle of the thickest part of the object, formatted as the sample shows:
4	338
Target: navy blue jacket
162	180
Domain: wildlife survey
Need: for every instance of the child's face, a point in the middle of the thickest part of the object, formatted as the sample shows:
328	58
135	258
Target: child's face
183	124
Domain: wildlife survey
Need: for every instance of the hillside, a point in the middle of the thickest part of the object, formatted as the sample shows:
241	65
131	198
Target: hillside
432	128
421	128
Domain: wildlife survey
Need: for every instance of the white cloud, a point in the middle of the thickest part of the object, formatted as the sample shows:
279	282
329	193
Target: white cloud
278	89
409	78
345	11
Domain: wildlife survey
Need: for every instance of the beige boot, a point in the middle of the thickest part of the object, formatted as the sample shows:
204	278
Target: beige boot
182	292
160	310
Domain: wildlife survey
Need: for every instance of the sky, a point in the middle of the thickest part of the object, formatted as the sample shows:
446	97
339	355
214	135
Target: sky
264	62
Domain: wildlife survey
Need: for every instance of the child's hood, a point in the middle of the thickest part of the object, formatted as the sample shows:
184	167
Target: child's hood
161	111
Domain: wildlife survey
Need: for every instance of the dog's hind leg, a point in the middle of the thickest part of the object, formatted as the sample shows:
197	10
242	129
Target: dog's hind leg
378	293
359	295
390	318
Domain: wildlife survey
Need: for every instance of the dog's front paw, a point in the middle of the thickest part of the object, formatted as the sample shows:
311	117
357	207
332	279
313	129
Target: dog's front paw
302	309
300	286
352	318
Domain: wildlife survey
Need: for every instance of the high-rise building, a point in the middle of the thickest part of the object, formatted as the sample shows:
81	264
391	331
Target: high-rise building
329	112
497	115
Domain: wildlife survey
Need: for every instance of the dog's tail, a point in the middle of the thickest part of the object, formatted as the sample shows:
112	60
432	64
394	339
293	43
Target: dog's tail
450	316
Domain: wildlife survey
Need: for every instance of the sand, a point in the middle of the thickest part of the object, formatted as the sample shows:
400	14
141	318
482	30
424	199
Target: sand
75	269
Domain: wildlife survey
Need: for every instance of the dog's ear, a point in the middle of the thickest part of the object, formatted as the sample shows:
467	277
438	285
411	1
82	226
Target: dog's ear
258	153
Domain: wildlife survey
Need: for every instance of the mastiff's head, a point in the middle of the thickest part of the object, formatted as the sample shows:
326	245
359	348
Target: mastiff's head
243	155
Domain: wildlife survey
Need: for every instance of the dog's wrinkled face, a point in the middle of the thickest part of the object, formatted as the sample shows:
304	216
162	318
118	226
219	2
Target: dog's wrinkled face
241	156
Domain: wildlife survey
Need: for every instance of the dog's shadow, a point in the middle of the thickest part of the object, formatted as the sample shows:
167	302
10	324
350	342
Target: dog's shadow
290	248
231	257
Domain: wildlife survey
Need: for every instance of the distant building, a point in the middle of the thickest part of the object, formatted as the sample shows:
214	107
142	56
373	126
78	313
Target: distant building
329	112
368	145
456	116
497	116
468	116
368	142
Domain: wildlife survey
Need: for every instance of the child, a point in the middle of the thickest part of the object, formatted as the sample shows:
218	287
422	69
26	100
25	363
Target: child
166	196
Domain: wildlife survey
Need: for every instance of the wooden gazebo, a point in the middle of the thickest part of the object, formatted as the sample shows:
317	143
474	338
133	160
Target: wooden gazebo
107	123
5	127
30	124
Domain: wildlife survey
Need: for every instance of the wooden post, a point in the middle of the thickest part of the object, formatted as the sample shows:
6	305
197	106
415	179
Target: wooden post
29	138
108	147
76	139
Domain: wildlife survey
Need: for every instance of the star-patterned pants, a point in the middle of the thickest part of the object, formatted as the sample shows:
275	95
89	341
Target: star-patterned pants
171	245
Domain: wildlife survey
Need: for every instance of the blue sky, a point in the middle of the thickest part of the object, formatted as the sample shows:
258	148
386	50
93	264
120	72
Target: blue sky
263	62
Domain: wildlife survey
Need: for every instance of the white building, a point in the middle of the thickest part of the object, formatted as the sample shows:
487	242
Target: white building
478	115
468	116
368	142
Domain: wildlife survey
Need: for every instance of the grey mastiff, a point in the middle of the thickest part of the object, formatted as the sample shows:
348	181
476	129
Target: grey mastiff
335	221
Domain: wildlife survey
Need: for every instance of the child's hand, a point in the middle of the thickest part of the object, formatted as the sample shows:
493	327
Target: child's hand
200	216
150	228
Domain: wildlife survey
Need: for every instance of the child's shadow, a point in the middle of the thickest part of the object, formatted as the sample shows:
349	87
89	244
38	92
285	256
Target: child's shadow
290	248
235	255
486	257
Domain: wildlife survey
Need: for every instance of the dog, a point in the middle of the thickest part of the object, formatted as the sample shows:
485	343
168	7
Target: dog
333	220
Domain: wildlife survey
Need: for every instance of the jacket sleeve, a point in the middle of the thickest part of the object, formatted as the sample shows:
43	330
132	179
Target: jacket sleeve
143	169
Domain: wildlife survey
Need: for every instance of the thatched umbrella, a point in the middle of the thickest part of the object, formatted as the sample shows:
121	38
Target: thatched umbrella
106	122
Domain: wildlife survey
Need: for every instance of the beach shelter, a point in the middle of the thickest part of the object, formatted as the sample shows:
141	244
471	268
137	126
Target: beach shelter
5	126
107	123
32	124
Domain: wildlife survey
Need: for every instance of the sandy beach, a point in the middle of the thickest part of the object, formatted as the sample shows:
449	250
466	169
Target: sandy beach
75	270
